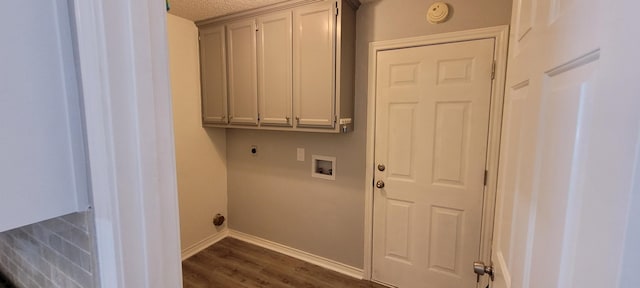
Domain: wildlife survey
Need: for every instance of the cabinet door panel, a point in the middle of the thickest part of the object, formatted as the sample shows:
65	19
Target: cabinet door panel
213	75
314	65
275	69
43	170
243	92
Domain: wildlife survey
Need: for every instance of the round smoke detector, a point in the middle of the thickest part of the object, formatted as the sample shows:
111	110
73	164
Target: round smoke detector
438	13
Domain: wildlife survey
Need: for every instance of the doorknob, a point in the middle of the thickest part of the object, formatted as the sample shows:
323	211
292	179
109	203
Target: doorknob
480	269
380	184
381	167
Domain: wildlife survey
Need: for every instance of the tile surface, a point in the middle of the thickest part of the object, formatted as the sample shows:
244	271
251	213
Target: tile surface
54	253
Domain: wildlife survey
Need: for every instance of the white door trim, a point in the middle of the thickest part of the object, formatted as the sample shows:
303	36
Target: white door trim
500	34
123	59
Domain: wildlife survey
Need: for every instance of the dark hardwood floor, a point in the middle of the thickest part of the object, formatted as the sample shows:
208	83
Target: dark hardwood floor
234	263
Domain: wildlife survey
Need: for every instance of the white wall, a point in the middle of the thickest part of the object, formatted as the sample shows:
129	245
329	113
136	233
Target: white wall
274	197
200	153
630	264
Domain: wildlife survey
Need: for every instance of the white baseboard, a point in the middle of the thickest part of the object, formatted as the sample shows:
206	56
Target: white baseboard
302	255
204	243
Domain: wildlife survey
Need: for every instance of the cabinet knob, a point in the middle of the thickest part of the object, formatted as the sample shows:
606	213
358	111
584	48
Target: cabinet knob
298	119
287	118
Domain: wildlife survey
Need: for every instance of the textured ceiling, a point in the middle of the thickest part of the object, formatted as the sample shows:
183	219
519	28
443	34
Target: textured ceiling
202	9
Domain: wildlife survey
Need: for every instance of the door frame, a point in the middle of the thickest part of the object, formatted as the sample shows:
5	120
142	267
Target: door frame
122	57
500	35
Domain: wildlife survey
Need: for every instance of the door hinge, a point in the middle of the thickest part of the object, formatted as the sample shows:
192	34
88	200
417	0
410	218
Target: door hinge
486	177
337	9
493	70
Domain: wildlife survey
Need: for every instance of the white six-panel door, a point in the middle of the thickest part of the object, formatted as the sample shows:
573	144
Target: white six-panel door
568	143
432	117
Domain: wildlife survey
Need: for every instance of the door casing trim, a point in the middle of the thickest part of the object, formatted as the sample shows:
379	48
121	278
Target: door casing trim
500	34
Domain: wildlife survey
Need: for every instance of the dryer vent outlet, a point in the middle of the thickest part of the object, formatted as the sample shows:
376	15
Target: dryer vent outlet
218	220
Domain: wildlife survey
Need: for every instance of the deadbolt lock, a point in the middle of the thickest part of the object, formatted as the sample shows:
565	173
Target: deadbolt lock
381	167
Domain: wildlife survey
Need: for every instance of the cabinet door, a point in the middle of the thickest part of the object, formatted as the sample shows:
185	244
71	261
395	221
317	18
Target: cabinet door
314	64
213	75
42	158
243	91
274	69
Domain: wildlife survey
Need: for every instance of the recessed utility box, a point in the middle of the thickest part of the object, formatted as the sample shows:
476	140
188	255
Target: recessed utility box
323	167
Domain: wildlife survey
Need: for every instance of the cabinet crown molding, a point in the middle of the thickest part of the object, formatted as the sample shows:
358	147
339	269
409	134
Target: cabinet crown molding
355	4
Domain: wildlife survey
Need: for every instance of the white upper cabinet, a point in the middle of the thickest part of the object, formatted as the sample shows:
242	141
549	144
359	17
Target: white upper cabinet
275	69
243	90
43	170
213	75
289	67
314	64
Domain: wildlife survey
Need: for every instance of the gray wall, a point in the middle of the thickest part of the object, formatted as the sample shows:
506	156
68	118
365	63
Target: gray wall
53	253
273	196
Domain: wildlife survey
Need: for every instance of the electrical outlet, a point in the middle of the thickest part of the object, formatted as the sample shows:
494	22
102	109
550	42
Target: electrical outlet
300	156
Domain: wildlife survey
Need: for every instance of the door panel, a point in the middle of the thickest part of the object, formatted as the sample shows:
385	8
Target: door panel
432	113
214	75
314	64
243	90
275	69
563	95
446	229
398	229
515	210
400	143
451	134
